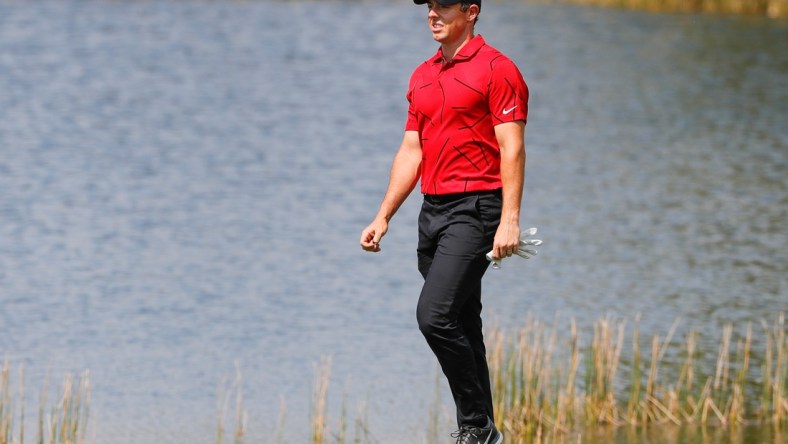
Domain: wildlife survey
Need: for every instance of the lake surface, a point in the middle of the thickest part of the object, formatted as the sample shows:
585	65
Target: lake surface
183	185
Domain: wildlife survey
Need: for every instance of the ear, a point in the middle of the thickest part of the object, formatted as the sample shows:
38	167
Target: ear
473	12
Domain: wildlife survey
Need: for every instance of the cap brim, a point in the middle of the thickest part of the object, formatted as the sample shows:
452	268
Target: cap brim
444	2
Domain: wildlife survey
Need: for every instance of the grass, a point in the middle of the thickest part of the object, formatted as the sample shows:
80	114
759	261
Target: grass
548	385
63	422
320	430
768	8
319	402
241	417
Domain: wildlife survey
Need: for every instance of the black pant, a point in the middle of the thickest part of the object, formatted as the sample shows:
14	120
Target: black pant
455	233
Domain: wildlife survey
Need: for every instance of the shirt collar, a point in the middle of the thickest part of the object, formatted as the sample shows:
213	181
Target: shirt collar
466	52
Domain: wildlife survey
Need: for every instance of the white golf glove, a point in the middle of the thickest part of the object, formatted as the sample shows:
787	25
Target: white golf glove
524	252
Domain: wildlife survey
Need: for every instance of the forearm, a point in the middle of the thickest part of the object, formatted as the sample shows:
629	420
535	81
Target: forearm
512	147
511	137
513	180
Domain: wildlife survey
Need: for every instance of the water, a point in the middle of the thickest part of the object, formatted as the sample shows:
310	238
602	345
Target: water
183	184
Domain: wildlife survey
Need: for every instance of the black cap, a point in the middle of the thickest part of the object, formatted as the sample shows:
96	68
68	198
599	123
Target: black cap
450	2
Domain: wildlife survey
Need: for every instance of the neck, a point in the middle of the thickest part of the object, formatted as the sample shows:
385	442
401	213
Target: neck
449	50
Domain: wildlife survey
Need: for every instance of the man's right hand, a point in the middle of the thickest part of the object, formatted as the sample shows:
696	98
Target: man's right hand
370	237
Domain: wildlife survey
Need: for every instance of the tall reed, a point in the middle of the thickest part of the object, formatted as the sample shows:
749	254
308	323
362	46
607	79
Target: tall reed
241	416
319	403
320	431
541	392
64	422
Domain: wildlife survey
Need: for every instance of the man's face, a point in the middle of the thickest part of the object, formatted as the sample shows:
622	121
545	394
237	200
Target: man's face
448	23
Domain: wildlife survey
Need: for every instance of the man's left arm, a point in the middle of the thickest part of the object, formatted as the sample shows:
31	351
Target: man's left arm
511	140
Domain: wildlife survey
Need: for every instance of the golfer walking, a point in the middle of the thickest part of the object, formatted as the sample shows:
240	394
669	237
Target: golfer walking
464	141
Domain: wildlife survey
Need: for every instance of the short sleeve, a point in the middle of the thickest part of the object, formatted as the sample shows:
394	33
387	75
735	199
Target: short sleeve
411	123
508	97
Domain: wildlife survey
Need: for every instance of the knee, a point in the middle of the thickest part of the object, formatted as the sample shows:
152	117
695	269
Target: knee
431	324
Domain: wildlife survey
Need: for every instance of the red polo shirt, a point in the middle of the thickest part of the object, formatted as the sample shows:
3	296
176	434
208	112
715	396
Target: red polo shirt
455	106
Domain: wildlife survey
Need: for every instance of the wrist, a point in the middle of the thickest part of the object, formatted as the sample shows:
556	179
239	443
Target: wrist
510	219
384	216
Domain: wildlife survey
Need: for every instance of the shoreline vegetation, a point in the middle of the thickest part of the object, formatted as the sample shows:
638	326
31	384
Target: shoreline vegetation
63	422
550	384
765	8
546	384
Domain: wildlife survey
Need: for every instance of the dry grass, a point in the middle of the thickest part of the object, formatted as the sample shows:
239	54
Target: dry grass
320	431
241	416
64	422
540	394
319	402
548	385
768	8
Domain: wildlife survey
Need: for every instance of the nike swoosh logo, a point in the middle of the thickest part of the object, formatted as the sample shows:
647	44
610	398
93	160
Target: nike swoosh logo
507	111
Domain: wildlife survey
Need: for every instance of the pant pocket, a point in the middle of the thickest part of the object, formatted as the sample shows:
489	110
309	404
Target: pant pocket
489	209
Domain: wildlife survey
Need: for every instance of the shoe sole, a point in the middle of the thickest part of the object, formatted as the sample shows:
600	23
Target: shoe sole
499	440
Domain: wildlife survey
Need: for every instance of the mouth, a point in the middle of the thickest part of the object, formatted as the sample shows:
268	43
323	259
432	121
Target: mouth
436	27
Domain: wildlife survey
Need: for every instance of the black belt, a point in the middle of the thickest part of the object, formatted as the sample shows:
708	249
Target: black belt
438	199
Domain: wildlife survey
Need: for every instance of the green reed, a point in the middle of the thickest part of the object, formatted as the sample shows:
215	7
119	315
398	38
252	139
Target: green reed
541	393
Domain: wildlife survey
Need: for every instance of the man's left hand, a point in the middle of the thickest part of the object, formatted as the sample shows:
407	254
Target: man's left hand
507	240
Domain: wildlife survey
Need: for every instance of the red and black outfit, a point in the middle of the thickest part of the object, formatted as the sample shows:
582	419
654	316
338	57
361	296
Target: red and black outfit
455	107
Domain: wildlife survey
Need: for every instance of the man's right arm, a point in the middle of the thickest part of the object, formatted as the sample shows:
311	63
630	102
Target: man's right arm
405	171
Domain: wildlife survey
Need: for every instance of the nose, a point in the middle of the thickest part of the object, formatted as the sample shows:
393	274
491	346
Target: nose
431	13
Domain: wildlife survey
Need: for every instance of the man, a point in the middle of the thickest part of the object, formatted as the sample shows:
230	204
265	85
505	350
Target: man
464	139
